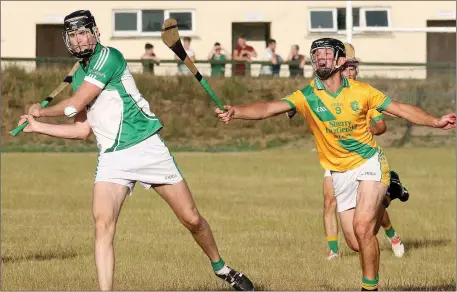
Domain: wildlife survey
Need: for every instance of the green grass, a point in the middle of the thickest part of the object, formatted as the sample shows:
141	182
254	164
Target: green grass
265	208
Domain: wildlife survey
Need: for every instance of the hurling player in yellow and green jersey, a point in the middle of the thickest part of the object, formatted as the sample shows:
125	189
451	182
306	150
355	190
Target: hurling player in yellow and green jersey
377	126
335	109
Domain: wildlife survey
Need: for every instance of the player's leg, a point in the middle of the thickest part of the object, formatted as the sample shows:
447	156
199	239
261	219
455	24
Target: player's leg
397	245
330	220
107	202
347	226
179	197
374	178
157	168
367	220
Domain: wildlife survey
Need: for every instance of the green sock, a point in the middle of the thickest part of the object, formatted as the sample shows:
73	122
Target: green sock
370	285
333	243
390	232
218	265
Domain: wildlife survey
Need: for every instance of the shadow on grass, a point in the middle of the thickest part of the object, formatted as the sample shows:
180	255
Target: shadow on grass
40	256
226	287
414	243
443	287
410	244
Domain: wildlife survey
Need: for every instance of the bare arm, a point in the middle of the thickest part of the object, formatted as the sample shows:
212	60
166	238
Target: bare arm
255	111
237	55
418	116
302	63
210	55
412	113
389	114
79	130
83	96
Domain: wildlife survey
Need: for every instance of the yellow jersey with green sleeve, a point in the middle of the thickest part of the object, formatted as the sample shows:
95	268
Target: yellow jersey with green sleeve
338	121
374	115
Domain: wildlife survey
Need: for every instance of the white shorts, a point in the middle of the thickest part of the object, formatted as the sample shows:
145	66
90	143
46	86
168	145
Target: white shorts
346	183
148	162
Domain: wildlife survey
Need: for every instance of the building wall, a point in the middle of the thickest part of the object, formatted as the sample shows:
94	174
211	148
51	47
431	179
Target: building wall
214	21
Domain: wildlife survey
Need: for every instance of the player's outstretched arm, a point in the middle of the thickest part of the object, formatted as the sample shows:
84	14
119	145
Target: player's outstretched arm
79	130
418	116
255	111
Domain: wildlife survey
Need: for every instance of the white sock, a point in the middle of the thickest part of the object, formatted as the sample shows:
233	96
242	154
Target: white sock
224	271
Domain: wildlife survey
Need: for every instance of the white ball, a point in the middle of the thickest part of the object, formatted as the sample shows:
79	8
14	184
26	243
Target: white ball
70	111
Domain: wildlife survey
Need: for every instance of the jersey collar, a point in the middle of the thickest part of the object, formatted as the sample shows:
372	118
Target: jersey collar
320	86
97	50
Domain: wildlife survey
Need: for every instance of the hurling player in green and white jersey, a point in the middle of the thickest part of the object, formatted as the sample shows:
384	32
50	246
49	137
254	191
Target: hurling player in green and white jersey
130	148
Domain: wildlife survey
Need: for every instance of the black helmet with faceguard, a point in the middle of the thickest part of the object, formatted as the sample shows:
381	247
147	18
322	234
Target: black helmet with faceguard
338	50
80	21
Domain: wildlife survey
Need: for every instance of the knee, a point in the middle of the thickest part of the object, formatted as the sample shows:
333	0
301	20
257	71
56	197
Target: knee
363	230
104	225
193	221
329	204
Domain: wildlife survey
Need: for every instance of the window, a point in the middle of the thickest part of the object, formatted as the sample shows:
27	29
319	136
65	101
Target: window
125	21
149	22
376	17
322	20
333	20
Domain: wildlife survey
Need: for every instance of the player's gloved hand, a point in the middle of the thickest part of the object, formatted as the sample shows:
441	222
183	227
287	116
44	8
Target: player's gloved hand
31	123
226	116
446	122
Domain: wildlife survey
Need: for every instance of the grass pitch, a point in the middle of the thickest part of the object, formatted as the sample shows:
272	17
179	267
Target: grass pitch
265	209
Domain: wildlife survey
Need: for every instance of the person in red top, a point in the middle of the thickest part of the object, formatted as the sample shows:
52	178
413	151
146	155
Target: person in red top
242	52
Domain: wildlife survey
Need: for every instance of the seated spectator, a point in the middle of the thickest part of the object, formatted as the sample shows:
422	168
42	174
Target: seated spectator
149	59
218	54
296	62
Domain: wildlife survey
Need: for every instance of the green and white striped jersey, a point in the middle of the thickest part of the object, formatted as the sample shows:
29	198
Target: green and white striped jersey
119	117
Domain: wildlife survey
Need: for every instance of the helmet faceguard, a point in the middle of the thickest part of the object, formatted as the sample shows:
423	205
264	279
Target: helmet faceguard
338	51
75	24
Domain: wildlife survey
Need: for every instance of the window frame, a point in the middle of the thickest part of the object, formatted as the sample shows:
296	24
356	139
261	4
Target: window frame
334	18
363	20
139	22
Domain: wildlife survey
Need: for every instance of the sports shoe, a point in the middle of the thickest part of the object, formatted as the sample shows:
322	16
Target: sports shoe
332	255
405	195
397	245
396	190
237	280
